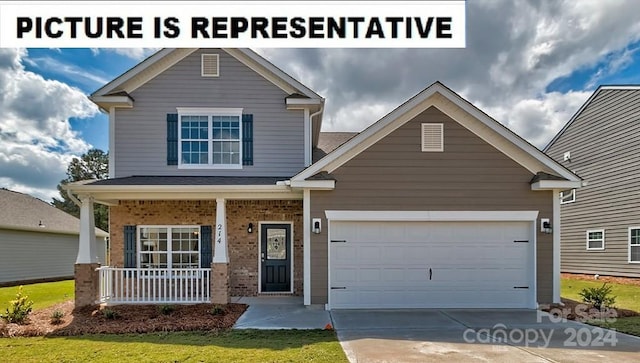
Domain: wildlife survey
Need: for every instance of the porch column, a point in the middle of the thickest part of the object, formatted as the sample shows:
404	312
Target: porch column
220	265
86	276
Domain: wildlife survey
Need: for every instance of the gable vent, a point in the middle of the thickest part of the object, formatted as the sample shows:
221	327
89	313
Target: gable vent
210	65
432	137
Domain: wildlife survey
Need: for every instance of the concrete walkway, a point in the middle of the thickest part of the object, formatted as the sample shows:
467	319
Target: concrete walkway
280	312
476	336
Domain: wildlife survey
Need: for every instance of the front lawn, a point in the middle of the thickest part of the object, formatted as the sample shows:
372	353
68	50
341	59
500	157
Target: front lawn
627	297
231	346
43	295
630	325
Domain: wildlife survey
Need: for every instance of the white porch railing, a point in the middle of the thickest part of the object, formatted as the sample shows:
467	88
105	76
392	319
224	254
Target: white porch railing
154	286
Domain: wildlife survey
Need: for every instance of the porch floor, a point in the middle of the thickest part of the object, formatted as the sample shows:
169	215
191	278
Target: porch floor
280	312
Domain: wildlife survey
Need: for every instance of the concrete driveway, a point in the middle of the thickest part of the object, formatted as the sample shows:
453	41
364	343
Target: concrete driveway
454	335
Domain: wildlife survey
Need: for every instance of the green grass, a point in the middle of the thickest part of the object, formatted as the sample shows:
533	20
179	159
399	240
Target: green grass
630	325
232	346
43	295
627	296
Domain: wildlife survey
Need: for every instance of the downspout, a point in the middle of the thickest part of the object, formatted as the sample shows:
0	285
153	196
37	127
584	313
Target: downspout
73	197
311	131
306	216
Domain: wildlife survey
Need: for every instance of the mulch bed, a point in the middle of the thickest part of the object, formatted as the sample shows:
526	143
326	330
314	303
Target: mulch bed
603	279
576	310
129	319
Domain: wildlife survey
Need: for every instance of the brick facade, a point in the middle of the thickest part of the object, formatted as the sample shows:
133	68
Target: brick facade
243	246
220	283
86	284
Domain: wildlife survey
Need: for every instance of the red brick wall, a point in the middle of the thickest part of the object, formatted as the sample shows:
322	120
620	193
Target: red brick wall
243	247
155	212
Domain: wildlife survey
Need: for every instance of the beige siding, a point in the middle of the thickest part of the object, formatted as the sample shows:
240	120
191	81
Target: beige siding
603	141
394	174
141	132
32	255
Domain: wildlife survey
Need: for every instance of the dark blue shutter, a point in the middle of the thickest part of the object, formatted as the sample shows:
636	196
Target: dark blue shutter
205	247
172	139
247	139
130	246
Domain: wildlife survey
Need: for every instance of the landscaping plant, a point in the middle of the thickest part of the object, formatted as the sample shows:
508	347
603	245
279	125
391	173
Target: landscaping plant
599	297
56	317
166	309
18	309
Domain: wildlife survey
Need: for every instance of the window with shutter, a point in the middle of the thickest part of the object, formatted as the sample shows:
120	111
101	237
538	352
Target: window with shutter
215	138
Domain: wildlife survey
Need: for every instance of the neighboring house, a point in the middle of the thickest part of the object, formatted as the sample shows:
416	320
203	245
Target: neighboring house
601	221
37	241
221	185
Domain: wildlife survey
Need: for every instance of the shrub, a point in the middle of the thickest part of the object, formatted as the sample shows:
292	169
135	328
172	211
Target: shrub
599	297
19	309
56	317
166	309
109	313
217	310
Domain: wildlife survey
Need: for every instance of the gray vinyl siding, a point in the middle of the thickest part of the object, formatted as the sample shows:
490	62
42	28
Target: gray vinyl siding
604	141
394	174
140	132
31	255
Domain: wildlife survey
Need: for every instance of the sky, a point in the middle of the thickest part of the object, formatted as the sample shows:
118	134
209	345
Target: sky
528	64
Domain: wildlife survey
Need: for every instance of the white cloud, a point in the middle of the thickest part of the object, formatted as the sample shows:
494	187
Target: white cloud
36	139
515	49
133	53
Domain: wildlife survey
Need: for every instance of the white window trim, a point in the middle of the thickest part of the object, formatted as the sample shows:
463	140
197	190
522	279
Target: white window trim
603	239
573	197
629	245
169	257
209	112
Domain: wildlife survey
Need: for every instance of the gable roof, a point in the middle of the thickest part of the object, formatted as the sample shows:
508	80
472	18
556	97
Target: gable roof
24	212
595	94
460	110
165	58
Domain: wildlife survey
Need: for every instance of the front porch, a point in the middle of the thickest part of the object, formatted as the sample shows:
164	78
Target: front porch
187	251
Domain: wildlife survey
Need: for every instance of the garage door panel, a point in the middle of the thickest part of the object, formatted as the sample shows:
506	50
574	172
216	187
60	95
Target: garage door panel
430	264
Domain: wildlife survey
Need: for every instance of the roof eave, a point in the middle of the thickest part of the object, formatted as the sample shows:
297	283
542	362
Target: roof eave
555	184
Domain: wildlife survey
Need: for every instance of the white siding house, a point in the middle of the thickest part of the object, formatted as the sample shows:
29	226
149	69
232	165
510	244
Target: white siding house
38	241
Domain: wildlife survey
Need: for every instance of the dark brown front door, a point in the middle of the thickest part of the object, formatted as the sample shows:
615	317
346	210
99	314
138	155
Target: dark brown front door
275	257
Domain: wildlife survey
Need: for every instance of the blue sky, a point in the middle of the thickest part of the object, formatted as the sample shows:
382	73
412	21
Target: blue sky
528	64
87	70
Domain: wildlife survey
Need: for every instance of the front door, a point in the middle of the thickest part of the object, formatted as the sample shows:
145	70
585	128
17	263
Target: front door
275	257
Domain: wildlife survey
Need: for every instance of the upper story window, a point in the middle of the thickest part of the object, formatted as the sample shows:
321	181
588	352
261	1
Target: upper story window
567	196
210	138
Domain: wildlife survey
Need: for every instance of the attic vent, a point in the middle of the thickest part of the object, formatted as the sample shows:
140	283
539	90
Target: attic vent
210	65
432	137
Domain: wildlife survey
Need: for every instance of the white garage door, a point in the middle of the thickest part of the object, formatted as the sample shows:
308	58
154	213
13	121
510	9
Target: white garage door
431	265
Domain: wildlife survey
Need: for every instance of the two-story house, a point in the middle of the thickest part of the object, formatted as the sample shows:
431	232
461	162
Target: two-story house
222	185
601	220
